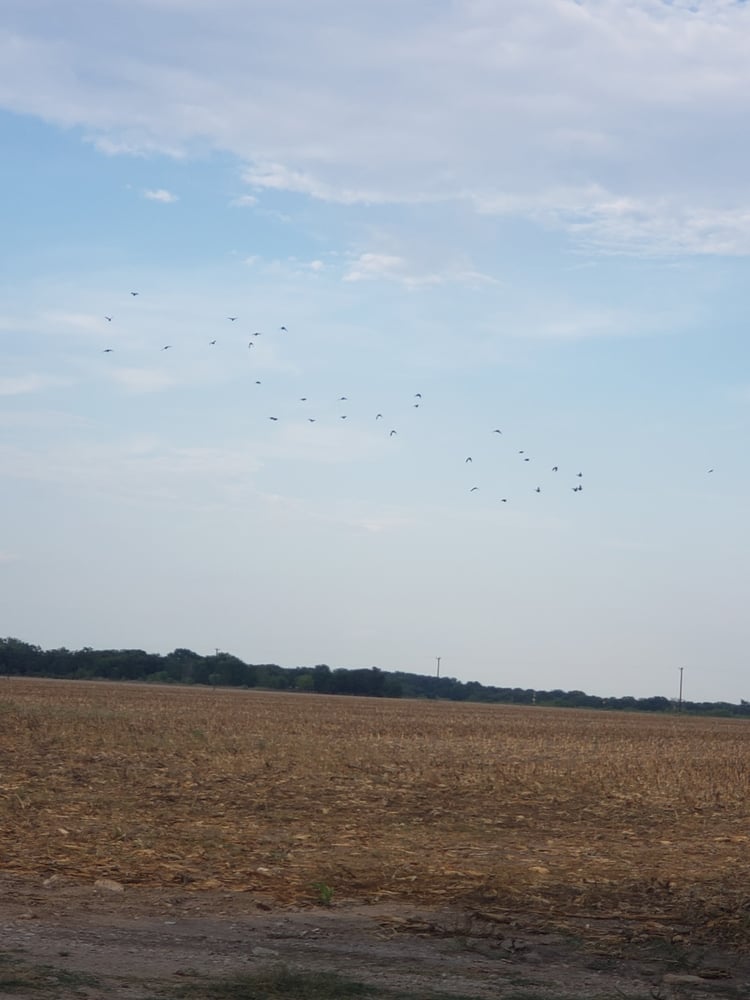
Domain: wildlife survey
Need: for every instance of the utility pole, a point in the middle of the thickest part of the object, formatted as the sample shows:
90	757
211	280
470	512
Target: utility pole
438	658
679	704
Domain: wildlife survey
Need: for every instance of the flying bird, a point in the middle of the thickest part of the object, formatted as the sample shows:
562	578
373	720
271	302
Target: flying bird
538	489
311	420
231	318
108	319
497	431
527	460
273	418
378	416
473	489
710	470
107	350
134	294
469	459
417	395
251	344
554	468
256	334
284	329
342	417
391	434
342	398
166	347
504	500
257	381
303	399
211	342
579	474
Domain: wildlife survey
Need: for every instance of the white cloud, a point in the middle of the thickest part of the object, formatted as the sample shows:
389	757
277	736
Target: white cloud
20	385
488	103
244	201
160	194
141	380
603	221
391	267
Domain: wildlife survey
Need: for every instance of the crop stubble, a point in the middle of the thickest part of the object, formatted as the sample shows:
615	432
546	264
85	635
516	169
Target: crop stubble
559	812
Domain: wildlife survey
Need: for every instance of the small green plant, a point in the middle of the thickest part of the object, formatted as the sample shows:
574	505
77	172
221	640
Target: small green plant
325	893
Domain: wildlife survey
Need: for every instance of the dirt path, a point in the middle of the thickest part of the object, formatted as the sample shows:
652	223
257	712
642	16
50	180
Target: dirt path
106	941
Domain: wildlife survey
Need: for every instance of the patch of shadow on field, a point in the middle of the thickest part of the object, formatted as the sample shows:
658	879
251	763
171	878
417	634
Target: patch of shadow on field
91	945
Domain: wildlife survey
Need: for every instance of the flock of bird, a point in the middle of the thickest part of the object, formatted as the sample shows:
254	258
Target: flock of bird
575	487
392	432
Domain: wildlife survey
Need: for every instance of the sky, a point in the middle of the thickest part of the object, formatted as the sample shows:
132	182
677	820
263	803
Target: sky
461	215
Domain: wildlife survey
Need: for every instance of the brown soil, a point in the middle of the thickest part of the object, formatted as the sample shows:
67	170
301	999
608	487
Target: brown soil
137	942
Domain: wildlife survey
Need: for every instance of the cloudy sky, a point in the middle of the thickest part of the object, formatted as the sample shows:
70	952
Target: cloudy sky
468	216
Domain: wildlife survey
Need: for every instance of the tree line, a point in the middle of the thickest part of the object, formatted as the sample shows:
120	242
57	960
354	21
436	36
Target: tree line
183	666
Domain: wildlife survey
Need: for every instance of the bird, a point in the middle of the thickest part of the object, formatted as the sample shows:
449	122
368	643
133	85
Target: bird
709	471
231	318
211	342
107	350
554	468
108	319
417	395
378	416
311	420
527	460
273	418
504	500
473	489
166	347
521	452
497	431
257	381
416	406
579	474
303	399
284	329
134	294
469	459
342	398
342	417
257	334
538	489
391	434
251	344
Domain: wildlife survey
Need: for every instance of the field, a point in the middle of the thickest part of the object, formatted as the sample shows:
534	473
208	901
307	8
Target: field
311	800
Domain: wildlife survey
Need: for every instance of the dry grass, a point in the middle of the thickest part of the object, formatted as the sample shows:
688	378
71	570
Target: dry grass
557	812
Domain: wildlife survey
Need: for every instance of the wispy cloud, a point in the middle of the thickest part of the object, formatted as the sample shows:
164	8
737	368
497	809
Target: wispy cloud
141	380
392	267
603	221
20	385
244	201
160	194
621	124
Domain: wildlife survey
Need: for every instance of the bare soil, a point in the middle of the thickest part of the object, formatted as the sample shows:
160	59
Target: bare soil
131	943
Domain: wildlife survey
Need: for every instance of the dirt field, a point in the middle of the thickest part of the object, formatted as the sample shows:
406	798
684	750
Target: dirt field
518	831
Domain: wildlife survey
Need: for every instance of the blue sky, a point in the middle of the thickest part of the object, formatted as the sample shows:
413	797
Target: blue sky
535	216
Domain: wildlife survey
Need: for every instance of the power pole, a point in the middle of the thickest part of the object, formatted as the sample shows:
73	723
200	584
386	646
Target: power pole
679	704
438	658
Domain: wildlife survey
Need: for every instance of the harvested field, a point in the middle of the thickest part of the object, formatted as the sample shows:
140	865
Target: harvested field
566	815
